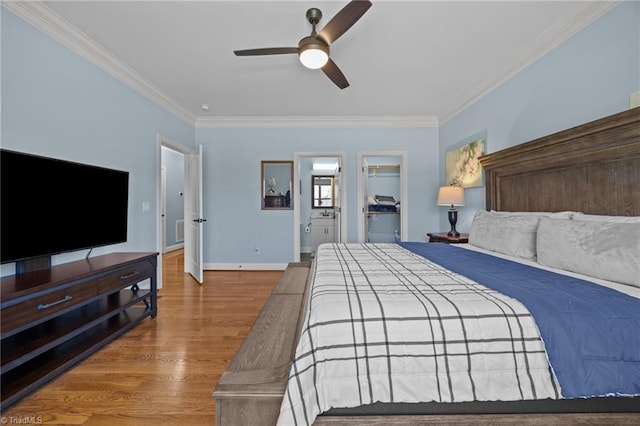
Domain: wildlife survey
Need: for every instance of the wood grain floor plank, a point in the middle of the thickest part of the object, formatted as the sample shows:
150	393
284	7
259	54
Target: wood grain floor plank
164	370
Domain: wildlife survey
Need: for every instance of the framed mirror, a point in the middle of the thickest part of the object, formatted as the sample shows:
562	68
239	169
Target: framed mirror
276	180
323	192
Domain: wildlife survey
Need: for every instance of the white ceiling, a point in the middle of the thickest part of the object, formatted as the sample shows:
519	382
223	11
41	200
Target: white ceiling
421	61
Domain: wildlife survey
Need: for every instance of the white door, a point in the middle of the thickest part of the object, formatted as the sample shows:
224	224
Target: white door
193	214
337	197
365	201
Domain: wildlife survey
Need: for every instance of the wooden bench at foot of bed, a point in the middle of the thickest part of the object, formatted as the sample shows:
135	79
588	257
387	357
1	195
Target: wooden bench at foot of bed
250	390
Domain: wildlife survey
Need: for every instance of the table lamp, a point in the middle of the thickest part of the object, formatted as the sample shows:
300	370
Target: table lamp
451	196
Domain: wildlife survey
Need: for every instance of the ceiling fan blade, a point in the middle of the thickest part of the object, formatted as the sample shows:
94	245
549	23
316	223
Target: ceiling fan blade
344	20
333	72
266	51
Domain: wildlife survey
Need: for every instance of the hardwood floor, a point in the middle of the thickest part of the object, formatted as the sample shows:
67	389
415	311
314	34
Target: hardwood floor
164	370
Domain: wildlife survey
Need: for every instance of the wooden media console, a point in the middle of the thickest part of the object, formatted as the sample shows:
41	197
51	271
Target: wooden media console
55	317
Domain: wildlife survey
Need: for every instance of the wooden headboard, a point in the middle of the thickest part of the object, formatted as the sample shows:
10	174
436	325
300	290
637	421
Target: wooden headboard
592	168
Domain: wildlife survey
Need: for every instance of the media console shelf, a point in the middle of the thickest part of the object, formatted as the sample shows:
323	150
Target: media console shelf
53	318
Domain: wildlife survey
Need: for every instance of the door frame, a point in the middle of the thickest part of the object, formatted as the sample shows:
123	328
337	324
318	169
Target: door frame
163	141
404	190
296	204
163	209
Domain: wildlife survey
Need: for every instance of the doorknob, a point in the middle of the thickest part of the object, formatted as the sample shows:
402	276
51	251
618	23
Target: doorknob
200	220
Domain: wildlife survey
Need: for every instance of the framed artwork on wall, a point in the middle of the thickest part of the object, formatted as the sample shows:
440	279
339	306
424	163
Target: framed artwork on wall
462	165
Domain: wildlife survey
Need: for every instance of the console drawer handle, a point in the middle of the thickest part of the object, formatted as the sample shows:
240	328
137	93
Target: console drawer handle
124	277
48	305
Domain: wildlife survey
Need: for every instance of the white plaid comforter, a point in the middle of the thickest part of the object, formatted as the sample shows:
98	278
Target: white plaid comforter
386	325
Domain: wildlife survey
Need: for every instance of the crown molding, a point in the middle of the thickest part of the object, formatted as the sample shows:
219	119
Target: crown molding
46	20
558	34
320	121
49	22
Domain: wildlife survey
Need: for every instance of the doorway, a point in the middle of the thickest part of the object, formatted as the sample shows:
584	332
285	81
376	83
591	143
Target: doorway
382	196
172	199
168	149
320	213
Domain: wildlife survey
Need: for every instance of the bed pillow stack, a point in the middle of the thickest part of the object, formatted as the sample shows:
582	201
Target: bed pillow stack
513	235
606	247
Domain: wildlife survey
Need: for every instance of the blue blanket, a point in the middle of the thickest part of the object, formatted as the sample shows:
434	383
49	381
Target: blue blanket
591	333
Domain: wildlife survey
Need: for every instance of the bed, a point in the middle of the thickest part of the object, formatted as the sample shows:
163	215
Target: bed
460	334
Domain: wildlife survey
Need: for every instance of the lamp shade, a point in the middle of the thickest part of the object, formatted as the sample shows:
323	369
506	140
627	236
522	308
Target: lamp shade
451	196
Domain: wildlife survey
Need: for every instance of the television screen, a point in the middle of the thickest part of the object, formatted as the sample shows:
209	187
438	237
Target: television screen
50	206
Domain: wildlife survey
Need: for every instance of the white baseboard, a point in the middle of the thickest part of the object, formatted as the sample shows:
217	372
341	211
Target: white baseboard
245	266
174	247
305	250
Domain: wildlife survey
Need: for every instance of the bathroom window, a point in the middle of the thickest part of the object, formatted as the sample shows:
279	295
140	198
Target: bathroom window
323	192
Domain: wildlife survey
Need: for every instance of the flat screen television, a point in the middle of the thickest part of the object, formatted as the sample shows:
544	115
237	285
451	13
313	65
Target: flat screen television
50	206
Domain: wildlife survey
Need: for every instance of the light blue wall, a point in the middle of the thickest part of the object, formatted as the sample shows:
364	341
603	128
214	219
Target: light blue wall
590	76
57	104
236	224
304	192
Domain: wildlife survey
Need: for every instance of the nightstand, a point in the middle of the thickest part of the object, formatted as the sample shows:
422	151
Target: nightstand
442	237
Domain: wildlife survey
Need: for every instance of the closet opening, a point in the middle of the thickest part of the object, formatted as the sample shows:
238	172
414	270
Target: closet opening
382	197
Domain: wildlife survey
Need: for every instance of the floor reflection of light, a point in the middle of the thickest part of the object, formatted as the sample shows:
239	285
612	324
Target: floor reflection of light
177	378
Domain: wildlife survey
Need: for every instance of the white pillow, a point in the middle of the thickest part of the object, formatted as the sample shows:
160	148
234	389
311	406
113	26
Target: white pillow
558	215
603	218
606	250
513	235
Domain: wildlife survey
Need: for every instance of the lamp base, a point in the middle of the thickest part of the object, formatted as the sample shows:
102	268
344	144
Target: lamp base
453	219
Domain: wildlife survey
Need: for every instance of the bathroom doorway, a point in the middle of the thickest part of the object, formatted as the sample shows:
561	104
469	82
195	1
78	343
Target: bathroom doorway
320	215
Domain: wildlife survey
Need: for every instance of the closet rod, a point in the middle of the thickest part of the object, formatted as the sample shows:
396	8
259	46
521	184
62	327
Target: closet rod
385	166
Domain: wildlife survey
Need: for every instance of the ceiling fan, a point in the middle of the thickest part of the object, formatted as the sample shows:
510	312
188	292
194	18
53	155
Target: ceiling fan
313	50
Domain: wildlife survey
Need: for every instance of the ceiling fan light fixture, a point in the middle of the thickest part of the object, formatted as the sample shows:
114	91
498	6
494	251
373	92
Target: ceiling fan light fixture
313	50
314	55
